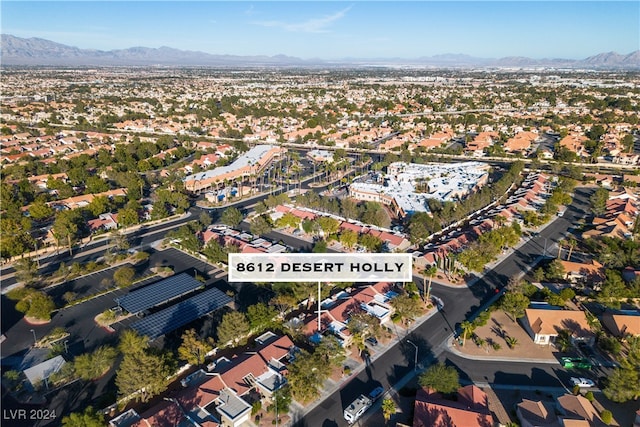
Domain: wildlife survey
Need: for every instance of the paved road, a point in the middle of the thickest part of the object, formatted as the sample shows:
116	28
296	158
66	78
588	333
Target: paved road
431	336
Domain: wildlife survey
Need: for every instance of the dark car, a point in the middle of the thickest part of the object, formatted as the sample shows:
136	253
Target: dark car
372	340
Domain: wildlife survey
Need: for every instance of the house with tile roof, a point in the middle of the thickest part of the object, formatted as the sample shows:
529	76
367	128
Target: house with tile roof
622	325
223	396
533	413
544	325
592	272
577	411
471	409
567	411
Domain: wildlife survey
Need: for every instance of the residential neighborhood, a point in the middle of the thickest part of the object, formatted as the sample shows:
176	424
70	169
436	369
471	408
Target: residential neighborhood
515	192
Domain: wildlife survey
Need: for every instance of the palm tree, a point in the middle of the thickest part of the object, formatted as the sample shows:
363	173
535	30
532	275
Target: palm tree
358	340
571	242
511	342
430	272
388	409
467	327
561	243
563	340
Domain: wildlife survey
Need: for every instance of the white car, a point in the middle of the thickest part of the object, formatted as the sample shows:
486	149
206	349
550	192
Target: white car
582	382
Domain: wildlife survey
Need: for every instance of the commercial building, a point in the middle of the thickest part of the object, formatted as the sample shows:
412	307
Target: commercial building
407	186
250	163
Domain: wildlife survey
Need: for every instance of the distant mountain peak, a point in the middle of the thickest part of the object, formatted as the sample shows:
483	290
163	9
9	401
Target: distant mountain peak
38	51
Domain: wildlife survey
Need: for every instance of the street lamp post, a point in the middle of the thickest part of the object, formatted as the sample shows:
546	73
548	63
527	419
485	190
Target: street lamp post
415	360
35	340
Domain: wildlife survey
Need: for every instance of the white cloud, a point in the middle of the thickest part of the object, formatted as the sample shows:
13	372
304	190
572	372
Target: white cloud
313	25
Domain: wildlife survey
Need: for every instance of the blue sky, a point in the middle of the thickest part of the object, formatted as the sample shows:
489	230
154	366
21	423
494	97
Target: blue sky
337	29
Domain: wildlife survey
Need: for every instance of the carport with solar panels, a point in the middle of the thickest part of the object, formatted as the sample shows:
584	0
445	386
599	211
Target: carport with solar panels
177	315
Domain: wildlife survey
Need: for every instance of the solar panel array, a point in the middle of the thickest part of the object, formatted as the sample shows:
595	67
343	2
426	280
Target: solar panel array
158	293
180	314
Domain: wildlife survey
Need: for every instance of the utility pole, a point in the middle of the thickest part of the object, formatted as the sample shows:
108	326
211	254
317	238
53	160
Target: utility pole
415	360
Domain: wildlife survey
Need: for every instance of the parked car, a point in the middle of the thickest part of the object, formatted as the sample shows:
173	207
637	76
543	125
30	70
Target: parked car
437	301
376	393
576	362
582	382
372	340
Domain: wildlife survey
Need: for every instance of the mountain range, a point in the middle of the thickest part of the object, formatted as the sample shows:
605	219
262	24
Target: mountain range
41	52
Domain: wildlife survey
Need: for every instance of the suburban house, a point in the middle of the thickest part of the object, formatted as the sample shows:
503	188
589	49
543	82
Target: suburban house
337	309
105	221
574	409
532	413
622	325
567	411
574	272
544	325
471	409
222	395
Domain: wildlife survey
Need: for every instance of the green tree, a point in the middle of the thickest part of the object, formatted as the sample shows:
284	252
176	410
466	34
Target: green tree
429	272
406	308
349	208
555	270
305	377
205	219
320	247
328	225
514	304
232	217
99	205
606	416
131	342
123	276
88	418
37	305
261	317
563	340
26	270
93	365
371	242
95	185
143	375
441	378
193	349
288	220
66	226
260	226
388	409
39	210
329	353
234	327
128	216
598	201
511	342
623	384
348	238
467	328
14	234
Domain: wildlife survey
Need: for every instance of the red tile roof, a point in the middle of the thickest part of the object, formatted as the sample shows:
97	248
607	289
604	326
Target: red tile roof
471	409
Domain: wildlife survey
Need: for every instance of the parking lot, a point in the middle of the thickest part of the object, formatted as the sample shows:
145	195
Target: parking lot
78	320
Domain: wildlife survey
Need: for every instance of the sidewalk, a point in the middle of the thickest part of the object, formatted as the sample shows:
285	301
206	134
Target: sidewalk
298	411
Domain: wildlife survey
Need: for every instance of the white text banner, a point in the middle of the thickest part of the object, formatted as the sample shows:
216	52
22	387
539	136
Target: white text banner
361	267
